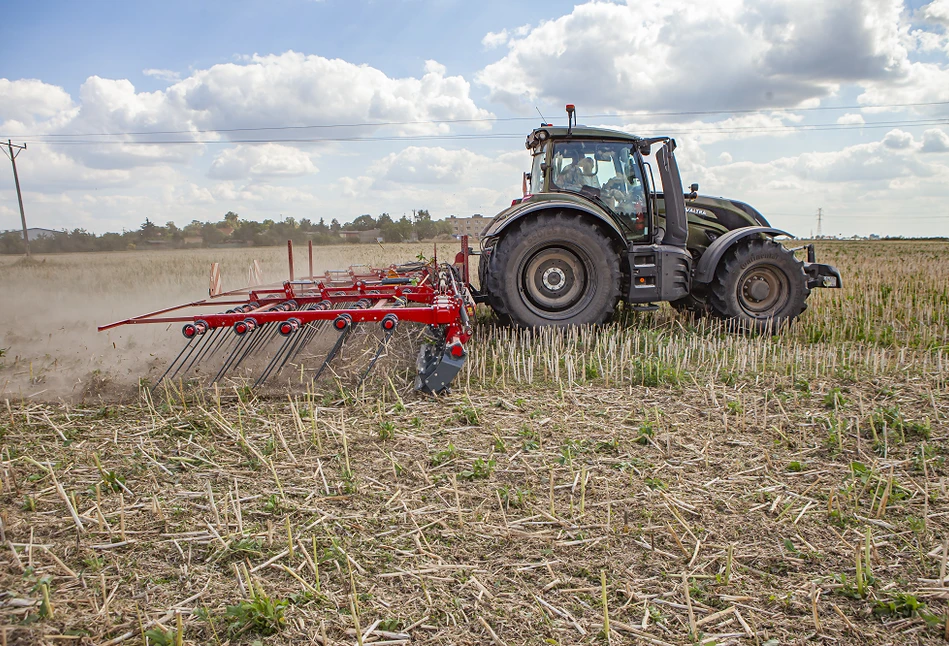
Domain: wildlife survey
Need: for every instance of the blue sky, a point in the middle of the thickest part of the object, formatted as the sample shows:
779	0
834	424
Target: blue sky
65	42
806	80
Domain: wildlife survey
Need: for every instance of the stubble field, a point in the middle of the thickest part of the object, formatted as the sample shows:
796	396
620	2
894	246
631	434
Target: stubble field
658	480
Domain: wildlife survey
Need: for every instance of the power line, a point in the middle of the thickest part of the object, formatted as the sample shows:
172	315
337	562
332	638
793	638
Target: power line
379	124
824	127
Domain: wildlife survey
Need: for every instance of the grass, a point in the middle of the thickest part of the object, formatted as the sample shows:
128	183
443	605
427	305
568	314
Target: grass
676	482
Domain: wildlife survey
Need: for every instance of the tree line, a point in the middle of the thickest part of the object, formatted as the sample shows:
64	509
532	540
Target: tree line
232	230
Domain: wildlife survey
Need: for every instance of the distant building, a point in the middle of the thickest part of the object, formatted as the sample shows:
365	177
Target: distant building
372	235
36	233
472	227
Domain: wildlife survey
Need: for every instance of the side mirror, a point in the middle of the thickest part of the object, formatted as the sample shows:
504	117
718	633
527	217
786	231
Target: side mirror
694	188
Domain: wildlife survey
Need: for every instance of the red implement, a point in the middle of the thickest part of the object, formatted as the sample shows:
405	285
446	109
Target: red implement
295	312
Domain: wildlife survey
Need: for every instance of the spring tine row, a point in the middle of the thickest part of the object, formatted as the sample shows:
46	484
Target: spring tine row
190	344
343	334
382	346
310	332
273	362
207	350
241	344
294	343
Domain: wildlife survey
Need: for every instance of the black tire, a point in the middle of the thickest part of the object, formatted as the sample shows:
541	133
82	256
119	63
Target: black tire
555	269
484	269
691	305
760	285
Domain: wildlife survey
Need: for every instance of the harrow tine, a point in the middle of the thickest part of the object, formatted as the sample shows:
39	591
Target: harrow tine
315	328
344	324
172	364
296	341
301	340
389	325
197	335
267	333
273	362
291	347
311	331
206	350
241	343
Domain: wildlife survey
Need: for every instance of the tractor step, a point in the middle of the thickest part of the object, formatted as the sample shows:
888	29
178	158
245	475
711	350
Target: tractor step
644	307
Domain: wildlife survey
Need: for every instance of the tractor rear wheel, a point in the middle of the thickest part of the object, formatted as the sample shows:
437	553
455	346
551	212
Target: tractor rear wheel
554	269
484	279
760	285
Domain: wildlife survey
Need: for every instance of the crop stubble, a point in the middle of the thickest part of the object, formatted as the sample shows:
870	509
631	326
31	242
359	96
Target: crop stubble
723	488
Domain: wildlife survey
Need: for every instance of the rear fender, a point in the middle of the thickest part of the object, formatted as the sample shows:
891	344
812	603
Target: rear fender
705	268
609	227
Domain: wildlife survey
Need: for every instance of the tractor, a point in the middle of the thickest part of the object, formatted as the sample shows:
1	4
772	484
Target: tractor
593	228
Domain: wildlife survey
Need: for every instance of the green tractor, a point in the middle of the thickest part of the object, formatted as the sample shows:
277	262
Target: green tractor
594	228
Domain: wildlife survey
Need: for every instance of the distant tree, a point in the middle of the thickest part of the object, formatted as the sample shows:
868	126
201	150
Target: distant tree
149	230
172	232
362	223
335	226
399	231
424	227
211	235
443	228
388	229
250	232
231	218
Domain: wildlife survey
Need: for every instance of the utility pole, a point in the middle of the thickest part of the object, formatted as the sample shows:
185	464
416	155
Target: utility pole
19	196
820	217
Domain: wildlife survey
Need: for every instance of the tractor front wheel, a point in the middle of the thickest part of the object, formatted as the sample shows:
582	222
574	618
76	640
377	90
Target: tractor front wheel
760	285
554	269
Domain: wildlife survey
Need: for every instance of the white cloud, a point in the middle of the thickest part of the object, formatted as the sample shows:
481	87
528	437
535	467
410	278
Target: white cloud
851	119
449	181
935	141
875	164
937	11
493	40
286	90
431	165
864	186
738	53
264	160
293	89
28	102
898	140
921	82
162	75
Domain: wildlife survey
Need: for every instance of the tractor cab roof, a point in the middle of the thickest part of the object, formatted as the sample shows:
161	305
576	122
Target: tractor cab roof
541	134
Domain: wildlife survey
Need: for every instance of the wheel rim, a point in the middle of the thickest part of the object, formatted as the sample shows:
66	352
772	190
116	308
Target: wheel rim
763	291
557	282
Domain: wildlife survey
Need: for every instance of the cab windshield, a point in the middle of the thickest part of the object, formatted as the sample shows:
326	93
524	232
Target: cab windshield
606	173
537	174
